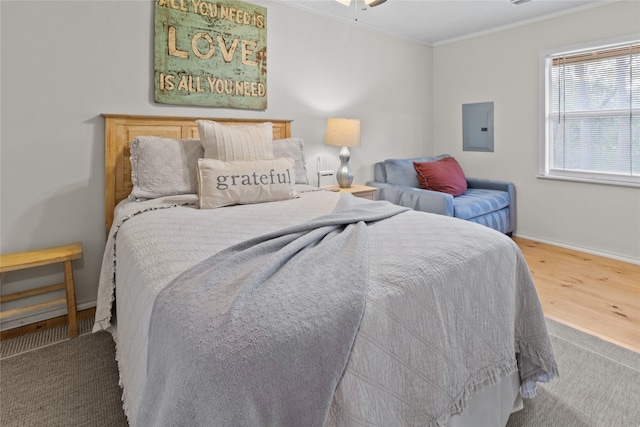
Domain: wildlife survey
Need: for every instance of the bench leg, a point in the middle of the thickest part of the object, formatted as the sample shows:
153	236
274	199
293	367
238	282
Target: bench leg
71	299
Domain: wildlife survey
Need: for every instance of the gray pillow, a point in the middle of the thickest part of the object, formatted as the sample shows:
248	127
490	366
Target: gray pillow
163	166
293	148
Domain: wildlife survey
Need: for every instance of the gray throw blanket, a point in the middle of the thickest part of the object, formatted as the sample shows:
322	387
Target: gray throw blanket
260	333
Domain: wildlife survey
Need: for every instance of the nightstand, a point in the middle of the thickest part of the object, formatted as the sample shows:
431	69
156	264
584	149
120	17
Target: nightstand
362	191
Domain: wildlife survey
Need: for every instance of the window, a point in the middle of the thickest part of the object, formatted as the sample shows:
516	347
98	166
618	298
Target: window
592	114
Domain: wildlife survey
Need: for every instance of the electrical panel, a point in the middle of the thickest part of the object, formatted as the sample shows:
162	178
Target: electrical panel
477	127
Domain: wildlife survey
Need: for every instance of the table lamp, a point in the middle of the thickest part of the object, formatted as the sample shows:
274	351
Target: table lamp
343	133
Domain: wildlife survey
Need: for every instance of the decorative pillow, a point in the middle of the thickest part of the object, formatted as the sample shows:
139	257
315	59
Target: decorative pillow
444	175
163	166
243	182
293	148
231	143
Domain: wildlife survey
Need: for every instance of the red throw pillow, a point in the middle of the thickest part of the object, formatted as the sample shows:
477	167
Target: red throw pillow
444	175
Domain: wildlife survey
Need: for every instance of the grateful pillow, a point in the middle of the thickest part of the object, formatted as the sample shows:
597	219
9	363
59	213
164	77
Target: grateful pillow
236	142
293	148
243	182
444	175
163	166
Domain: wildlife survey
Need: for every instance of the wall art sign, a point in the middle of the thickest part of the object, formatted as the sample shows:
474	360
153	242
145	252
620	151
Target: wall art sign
211	53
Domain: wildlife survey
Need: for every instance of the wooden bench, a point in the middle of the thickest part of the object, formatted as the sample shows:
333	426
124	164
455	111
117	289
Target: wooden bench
21	260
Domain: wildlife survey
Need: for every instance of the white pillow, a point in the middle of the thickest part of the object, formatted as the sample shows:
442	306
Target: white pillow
294	148
243	182
236	142
163	166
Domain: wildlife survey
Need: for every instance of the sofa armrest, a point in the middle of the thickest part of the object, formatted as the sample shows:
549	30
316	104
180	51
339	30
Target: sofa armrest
509	187
488	184
415	198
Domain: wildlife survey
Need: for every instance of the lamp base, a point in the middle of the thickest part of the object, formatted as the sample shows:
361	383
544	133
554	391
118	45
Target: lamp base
344	175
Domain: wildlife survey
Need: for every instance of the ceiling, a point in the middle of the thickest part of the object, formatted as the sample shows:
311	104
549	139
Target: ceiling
434	22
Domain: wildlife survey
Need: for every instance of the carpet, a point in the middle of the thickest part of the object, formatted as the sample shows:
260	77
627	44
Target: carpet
75	383
599	385
42	338
70	383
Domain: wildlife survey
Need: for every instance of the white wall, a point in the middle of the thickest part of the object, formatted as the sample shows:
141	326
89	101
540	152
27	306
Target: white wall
64	63
503	67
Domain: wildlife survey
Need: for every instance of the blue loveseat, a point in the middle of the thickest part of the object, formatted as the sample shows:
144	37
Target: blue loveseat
487	202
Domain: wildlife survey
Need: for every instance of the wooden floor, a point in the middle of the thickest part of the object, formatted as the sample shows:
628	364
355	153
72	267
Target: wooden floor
597	295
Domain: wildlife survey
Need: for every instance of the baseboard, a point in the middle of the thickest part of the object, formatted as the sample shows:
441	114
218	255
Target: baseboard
42	316
580	249
44	324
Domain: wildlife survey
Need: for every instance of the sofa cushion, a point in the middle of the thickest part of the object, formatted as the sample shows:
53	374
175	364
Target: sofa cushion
444	175
379	172
476	202
402	172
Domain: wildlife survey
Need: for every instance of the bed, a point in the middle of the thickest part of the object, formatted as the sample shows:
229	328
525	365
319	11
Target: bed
309	308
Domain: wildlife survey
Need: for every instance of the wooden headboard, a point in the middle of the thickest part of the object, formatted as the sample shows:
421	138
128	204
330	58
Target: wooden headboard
121	129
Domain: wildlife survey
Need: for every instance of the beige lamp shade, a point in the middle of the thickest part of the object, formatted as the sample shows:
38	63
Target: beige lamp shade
343	132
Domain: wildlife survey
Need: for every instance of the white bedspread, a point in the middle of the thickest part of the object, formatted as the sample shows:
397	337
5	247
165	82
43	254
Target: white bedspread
444	295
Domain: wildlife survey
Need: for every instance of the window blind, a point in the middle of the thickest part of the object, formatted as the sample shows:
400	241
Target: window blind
594	112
